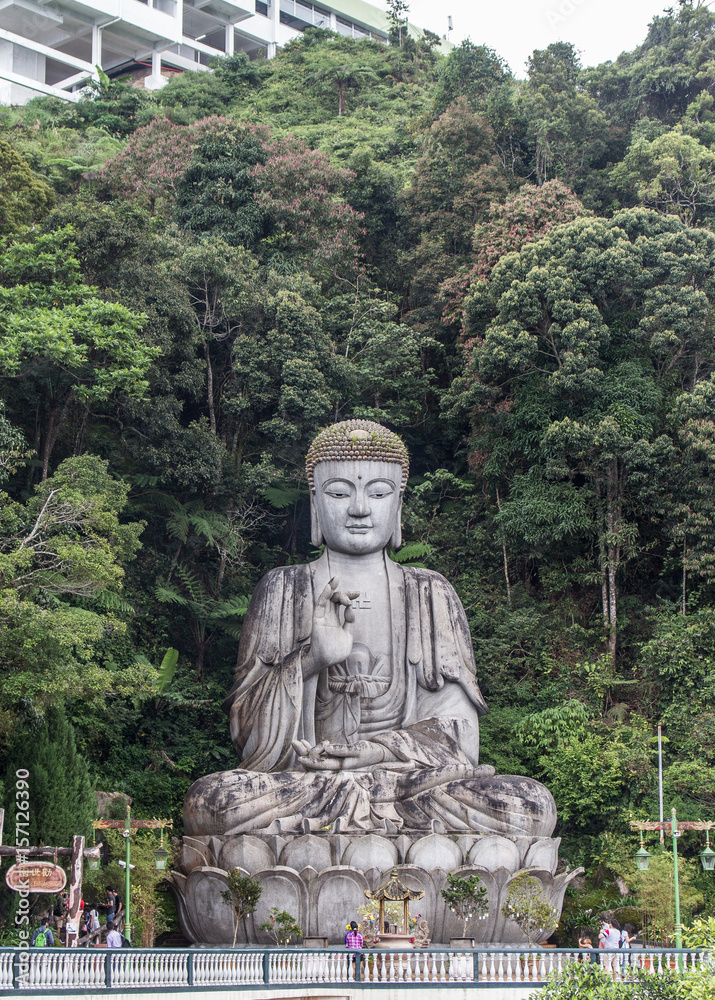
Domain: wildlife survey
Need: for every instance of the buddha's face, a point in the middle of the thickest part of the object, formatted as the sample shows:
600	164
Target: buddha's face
357	503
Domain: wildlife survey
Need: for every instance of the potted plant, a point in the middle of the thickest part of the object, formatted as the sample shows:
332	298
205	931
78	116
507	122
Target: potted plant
282	927
466	896
242	895
527	905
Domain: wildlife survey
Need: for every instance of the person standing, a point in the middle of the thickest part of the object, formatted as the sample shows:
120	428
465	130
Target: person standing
114	938
60	912
111	905
610	936
118	910
353	938
93	923
627	937
42	938
585	941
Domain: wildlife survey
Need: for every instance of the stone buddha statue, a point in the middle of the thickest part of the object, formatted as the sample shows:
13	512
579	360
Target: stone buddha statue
356	695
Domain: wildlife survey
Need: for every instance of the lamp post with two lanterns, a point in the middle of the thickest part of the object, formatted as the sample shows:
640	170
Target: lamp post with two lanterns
128	826
707	855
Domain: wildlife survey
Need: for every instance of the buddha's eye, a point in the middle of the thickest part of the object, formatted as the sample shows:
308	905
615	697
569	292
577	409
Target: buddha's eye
338	496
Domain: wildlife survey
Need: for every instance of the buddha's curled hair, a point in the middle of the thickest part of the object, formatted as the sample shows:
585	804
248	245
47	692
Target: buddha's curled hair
355	440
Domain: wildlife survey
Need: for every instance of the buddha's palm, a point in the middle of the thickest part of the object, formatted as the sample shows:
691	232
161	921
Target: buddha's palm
331	641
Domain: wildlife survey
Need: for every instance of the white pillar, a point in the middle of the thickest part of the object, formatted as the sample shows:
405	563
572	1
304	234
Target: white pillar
156	81
274	14
230	37
97	46
6	64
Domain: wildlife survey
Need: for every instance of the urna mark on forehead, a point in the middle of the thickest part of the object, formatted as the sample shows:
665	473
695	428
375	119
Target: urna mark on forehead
359	441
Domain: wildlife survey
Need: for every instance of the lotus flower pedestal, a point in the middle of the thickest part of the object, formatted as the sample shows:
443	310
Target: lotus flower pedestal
321	878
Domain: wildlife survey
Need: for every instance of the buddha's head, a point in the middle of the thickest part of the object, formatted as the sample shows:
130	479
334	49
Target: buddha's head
357	472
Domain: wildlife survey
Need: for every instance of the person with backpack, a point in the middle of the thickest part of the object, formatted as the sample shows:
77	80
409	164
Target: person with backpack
42	938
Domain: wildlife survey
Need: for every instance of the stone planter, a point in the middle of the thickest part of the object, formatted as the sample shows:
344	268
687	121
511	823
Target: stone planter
315	942
461	942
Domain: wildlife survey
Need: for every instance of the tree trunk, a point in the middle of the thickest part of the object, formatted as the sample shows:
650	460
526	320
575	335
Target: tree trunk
613	521
49	441
54	426
506	564
341	99
210	387
604	576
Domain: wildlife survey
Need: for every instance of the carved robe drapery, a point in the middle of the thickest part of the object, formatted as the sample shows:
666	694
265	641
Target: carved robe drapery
431	737
432	646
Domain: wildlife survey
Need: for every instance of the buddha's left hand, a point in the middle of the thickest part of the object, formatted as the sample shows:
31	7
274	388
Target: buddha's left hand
338	756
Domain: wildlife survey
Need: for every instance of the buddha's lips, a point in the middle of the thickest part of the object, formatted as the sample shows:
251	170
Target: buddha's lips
358	529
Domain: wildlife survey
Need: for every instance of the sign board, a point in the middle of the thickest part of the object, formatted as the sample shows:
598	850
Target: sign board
36	876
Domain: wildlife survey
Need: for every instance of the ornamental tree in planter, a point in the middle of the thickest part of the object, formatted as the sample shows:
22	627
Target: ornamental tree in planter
281	926
466	896
528	906
242	894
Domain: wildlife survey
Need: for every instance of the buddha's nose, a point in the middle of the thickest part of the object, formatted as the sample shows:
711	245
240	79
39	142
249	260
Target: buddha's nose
359	507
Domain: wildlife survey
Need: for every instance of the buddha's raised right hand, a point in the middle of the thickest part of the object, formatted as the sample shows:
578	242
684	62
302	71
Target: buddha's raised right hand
330	641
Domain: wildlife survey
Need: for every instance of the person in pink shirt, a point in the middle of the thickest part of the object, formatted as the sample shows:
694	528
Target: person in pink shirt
353	938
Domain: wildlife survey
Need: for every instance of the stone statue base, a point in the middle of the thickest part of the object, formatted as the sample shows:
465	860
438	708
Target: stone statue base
321	877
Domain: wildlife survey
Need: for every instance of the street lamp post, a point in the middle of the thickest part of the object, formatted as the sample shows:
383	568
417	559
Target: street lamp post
676	888
129	826
707	856
127	834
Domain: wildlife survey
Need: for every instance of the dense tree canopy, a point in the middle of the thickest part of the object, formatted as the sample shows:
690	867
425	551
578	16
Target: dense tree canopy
516	275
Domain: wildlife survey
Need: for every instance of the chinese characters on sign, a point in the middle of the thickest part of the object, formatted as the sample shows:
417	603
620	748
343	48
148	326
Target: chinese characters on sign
36	876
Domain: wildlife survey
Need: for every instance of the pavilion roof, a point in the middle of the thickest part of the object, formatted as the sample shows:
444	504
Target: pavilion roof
394	890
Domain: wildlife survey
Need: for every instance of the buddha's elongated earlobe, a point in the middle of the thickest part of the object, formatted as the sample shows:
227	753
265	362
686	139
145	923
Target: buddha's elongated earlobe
316	535
396	540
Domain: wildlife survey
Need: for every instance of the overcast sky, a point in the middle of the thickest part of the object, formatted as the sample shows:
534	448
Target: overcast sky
600	29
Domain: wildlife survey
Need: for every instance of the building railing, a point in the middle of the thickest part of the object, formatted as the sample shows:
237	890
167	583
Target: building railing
95	969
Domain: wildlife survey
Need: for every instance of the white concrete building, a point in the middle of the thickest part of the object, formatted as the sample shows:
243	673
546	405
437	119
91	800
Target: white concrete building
53	46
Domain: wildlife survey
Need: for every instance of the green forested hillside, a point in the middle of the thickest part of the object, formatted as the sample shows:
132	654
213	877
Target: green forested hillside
518	276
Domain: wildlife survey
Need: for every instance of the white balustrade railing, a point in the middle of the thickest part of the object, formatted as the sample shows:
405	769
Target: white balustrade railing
82	969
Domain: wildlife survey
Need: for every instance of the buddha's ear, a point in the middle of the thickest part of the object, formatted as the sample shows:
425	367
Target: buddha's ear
396	540
316	535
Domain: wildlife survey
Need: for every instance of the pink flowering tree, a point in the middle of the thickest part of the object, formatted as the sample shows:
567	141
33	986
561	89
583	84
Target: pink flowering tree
524	217
300	191
150	167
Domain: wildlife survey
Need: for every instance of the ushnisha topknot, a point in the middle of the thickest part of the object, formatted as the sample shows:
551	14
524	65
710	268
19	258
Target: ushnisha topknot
357	439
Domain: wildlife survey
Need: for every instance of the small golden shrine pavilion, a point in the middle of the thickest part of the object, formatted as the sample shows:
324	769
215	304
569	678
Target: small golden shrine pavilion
394	891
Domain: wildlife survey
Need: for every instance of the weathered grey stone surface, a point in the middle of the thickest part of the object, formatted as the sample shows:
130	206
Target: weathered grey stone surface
371	852
355	714
194	851
356	699
435	851
336	895
248	853
495	852
284	888
308	851
323	902
543	854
